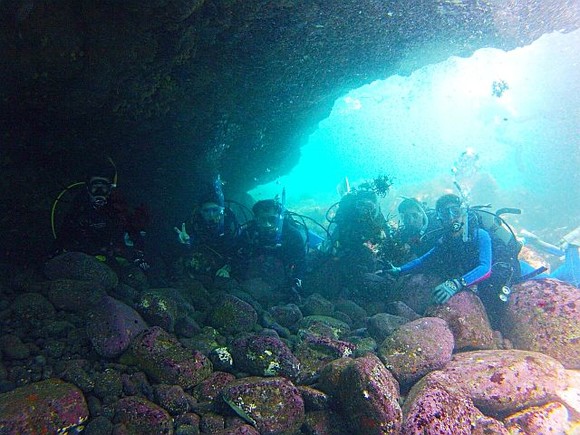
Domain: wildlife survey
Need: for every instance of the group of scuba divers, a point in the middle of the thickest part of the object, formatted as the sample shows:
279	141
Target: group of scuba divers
467	248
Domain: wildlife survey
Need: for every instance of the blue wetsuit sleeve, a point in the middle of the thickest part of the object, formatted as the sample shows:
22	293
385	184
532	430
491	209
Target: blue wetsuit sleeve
418	262
483	269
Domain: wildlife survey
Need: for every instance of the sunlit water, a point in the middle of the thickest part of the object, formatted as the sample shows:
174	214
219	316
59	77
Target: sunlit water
414	128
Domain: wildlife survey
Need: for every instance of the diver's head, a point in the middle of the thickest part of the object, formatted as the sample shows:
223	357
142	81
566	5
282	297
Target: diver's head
412	214
211	212
451	212
100	181
99	189
366	203
267	214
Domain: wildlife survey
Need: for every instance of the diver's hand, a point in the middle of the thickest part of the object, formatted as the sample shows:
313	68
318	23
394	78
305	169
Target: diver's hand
443	292
141	263
224	272
182	235
394	271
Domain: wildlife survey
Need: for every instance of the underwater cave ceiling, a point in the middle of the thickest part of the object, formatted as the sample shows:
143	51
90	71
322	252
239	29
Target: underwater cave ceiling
170	87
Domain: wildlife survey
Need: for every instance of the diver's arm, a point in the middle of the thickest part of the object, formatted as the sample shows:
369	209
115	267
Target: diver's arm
532	239
548	247
483	269
417	263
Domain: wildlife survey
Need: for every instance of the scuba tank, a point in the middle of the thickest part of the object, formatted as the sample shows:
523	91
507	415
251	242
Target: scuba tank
280	222
217	185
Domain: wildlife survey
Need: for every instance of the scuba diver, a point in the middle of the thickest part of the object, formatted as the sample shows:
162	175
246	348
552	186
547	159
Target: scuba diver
359	226
569	245
210	237
100	223
272	247
360	237
468	255
419	229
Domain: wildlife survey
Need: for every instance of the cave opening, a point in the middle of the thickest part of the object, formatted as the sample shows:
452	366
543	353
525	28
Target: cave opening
517	110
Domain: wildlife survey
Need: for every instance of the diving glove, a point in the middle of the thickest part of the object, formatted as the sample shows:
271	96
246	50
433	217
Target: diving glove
184	238
443	292
140	262
393	270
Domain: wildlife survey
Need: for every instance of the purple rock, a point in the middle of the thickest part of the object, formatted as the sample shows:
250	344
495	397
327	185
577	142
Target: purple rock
468	321
141	416
111	325
417	348
264	356
272	405
551	418
167	361
431	408
369	395
243	429
503	381
50	406
212	387
173	398
544	316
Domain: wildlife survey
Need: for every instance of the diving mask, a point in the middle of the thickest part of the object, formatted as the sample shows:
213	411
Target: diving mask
450	213
451	217
211	212
99	189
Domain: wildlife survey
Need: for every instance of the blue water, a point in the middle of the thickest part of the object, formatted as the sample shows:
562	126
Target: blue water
413	128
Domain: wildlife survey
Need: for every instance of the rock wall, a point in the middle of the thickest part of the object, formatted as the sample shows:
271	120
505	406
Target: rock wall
171	89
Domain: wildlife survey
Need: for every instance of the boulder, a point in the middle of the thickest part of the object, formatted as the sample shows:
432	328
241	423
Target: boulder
232	315
139	416
264	356
368	394
431	407
544	316
74	295
272	405
381	325
50	406
32	307
417	348
82	267
504	381
111	325
167	361
551	418
466	317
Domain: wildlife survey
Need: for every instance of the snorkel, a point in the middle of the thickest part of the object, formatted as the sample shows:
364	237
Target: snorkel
464	209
